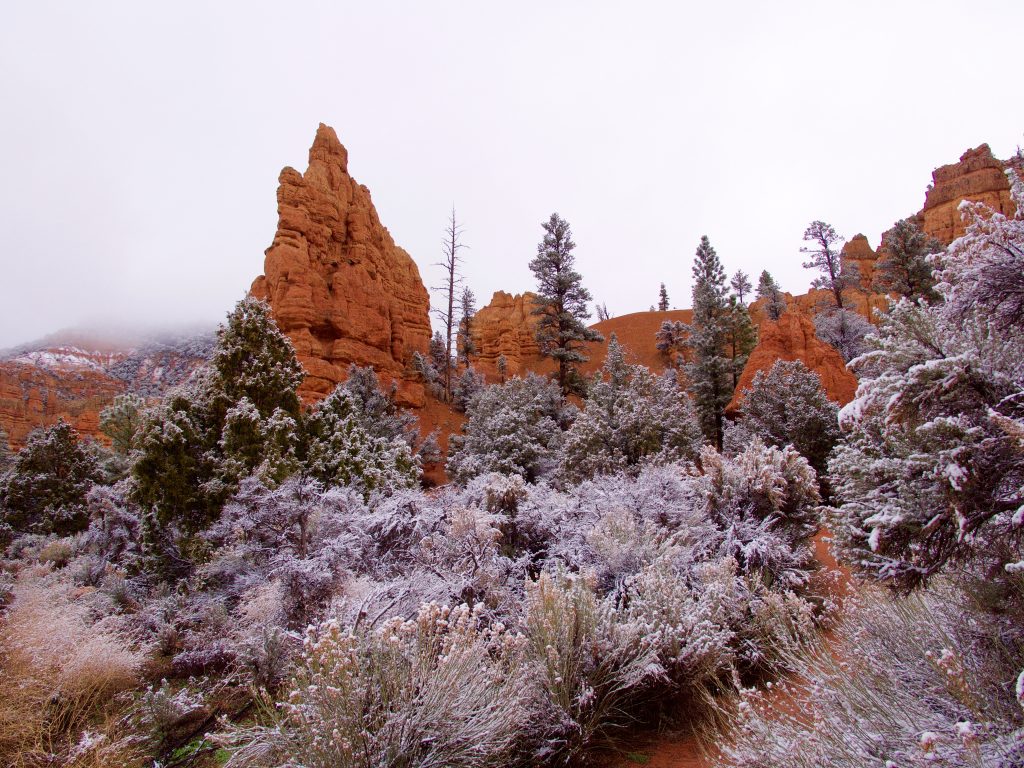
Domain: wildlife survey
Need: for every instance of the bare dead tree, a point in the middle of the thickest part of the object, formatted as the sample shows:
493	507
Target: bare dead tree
450	248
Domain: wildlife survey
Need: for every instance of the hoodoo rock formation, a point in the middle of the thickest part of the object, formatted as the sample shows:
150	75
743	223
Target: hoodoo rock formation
978	177
506	327
338	285
792	337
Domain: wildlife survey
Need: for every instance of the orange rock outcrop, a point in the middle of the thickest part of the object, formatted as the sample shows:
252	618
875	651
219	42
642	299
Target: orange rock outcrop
506	327
32	397
337	283
792	337
978	176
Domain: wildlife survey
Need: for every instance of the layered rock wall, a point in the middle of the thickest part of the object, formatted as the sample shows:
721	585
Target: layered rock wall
338	285
979	177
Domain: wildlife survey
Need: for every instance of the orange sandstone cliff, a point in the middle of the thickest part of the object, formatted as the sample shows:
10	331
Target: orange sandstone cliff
338	285
979	177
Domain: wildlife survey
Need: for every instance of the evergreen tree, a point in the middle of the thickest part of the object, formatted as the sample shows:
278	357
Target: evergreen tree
740	337
787	406
904	268
741	285
233	418
672	339
502	365
467	385
467	309
631	419
930	472
253	359
45	489
121	421
339	450
381	416
561	303
825	257
513	428
768	289
663	299
710	371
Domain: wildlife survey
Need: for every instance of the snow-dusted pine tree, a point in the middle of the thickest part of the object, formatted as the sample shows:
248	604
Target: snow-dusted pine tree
740	337
904	267
709	374
631	419
561	303
467	309
787	406
253	359
769	290
662	299
931	468
825	257
340	451
671	340
45	489
740	284
121	420
513	428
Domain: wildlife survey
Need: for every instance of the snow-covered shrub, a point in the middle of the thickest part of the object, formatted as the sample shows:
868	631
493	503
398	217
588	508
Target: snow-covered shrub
44	491
514	428
469	382
845	330
900	685
684	624
340	450
594	667
931	468
631	418
787	406
439	690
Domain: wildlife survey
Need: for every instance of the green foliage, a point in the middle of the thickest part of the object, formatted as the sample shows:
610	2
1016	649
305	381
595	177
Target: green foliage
904	268
234	418
121	421
787	406
740	337
768	289
710	371
340	450
561	303
631	419
466	348
254	360
46	488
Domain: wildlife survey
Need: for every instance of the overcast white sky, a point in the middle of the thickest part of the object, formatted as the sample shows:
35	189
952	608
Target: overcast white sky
140	147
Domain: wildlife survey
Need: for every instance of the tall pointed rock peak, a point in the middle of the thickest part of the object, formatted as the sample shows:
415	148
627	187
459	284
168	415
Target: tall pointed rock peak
337	283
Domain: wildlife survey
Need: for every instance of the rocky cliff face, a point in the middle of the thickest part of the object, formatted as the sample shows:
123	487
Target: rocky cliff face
978	176
74	377
337	283
792	337
506	327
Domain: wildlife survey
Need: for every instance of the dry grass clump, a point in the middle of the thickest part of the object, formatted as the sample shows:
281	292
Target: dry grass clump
436	691
908	682
59	671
